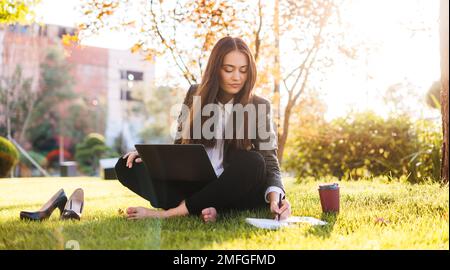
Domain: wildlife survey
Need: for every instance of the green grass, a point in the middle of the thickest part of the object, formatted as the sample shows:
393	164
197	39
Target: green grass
416	218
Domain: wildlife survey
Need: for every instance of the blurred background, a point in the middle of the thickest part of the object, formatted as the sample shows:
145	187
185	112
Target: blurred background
355	84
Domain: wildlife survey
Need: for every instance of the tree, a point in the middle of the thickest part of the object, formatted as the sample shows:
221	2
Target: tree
402	99
277	68
312	22
47	117
162	28
16	100
16	93
157	127
163	25
16	11
444	21
90	151
310	114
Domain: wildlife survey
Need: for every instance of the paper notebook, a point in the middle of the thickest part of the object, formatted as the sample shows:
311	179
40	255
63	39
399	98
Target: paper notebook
272	224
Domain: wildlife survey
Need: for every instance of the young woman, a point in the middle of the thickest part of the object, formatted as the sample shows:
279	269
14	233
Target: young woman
247	166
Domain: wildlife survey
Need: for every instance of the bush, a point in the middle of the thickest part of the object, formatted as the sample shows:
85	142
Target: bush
38	157
363	145
52	157
90	151
9	156
425	162
26	168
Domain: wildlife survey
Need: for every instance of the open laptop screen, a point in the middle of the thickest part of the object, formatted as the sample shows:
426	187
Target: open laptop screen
177	162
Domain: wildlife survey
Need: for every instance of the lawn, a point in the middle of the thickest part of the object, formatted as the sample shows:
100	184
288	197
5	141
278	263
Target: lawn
374	215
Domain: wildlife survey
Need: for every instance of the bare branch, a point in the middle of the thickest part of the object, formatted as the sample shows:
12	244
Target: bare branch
182	66
258	31
305	80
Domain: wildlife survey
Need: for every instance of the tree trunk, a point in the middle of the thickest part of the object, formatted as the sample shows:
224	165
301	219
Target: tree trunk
258	32
283	138
444	28
277	73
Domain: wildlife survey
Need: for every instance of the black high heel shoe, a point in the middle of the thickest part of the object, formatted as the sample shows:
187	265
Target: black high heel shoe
57	201
74	205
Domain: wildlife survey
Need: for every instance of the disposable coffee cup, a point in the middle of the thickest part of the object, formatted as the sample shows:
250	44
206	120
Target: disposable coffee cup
329	197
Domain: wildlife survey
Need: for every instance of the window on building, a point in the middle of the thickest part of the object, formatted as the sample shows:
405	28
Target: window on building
17	28
43	30
131	75
126	94
130	81
65	31
61	32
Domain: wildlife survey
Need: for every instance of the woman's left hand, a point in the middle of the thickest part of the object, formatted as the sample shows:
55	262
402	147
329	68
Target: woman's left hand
284	211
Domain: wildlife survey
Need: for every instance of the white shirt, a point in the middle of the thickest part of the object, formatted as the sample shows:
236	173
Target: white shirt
215	153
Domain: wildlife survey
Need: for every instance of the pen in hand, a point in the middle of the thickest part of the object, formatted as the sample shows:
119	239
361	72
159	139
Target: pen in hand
279	206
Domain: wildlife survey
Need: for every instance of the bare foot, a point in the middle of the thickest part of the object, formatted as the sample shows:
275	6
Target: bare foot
209	214
142	212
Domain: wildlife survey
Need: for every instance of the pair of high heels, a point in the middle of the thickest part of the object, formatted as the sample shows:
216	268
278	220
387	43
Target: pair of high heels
69	208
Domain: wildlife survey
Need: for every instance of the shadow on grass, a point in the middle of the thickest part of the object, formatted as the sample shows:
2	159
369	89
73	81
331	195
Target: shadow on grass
192	233
326	230
114	232
98	233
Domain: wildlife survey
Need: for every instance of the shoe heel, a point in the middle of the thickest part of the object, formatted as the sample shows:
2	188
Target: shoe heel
74	205
61	206
58	200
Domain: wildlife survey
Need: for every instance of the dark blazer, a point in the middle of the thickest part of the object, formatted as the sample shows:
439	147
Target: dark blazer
273	175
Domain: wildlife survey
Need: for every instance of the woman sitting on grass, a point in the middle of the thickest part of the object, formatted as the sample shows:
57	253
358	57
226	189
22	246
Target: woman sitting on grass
246	166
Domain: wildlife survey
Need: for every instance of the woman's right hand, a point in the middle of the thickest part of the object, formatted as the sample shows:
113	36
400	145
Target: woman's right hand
131	156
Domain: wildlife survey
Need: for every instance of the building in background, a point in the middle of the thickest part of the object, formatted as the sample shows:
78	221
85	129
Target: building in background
129	83
107	78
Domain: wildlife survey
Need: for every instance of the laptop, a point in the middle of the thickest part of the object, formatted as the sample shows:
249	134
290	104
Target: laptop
177	162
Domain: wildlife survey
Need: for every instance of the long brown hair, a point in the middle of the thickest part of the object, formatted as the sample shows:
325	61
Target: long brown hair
209	89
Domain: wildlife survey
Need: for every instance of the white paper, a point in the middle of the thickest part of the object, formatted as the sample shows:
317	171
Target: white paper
273	224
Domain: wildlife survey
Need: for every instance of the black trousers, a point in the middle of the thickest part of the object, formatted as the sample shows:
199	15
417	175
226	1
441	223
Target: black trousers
241	186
